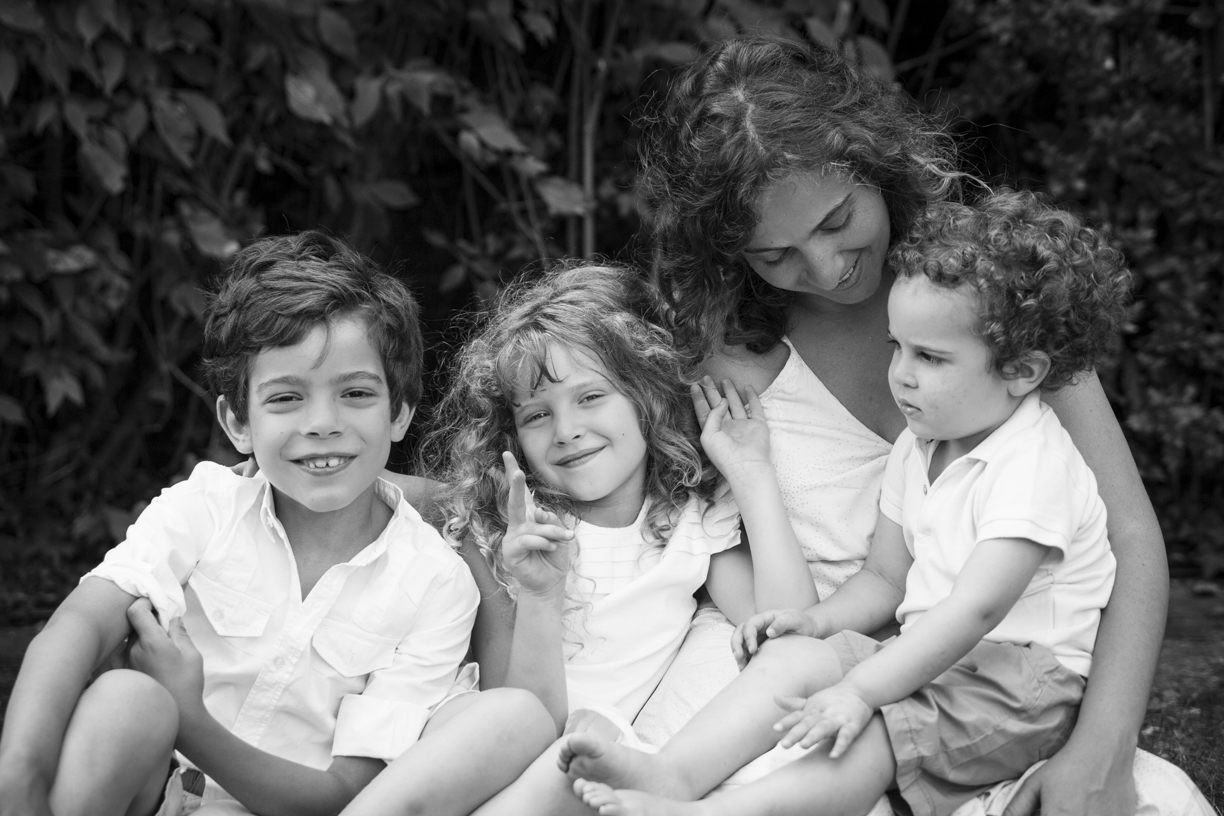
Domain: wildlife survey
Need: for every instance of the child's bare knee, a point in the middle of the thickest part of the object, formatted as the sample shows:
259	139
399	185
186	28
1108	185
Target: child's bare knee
133	697
519	715
795	654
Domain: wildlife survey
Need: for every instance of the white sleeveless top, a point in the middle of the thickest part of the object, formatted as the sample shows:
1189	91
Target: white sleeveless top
830	467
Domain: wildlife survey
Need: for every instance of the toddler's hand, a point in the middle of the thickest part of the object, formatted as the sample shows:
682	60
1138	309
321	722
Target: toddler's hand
836	710
170	659
536	545
734	435
773	623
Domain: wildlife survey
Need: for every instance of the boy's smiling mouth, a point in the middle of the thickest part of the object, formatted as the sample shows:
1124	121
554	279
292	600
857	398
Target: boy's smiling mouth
324	464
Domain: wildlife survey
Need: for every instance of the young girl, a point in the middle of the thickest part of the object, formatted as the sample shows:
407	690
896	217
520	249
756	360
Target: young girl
991	549
586	512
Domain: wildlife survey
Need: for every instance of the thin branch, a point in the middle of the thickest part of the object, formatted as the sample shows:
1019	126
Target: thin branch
591	127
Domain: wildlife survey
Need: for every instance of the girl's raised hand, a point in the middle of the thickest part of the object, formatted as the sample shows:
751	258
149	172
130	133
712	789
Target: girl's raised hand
536	546
733	432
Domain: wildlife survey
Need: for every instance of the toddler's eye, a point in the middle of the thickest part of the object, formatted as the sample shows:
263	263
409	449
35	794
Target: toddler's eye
927	358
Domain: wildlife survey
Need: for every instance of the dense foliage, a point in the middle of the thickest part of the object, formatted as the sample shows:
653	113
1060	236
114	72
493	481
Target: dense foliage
143	141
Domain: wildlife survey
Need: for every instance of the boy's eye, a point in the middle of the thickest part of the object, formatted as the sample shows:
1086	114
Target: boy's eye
359	393
528	418
591	397
280	399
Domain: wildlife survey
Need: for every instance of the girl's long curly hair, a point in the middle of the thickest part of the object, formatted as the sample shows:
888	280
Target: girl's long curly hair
748	113
608	313
1043	280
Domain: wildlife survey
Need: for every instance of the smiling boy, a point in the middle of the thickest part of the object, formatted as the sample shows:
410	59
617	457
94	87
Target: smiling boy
329	619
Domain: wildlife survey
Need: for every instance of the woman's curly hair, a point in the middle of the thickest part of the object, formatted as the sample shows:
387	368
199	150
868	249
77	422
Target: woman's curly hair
608	313
1044	281
751	112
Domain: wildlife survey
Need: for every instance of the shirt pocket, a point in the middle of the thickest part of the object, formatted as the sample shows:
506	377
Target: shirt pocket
231	613
351	651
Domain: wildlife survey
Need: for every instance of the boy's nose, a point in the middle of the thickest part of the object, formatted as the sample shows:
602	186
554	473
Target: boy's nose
323	419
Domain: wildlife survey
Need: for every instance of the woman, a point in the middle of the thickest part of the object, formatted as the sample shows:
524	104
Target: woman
778	175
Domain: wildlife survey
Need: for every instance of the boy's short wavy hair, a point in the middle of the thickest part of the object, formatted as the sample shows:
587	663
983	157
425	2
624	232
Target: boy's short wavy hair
1044	280
279	288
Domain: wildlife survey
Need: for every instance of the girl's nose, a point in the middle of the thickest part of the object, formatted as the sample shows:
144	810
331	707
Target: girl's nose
567	427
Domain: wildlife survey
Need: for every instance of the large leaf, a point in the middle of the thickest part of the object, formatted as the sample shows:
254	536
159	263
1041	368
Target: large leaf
208	232
493	130
875	12
88	25
337	34
562	196
60	384
104	166
11	411
76	258
114	60
133	121
394	194
176	126
311	93
875	57
366	99
207	114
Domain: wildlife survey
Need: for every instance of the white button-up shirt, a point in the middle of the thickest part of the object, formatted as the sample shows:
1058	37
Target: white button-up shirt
350	670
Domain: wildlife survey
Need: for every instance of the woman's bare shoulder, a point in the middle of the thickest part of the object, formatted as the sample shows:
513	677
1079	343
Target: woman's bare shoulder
743	367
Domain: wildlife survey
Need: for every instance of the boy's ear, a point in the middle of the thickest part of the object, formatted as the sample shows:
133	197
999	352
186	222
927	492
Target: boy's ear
1026	373
239	434
400	423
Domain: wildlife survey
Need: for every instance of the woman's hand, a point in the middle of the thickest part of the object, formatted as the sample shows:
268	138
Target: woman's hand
536	545
772	623
734	435
170	659
837	710
1072	784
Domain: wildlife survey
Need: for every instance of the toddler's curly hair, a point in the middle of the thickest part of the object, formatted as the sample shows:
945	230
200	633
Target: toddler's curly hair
608	313
1044	280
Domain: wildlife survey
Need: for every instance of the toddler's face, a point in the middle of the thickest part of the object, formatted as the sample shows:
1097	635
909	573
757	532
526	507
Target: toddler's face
941	372
321	422
583	437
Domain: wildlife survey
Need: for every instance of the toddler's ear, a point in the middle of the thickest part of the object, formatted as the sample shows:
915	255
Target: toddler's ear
400	423
239	434
1026	373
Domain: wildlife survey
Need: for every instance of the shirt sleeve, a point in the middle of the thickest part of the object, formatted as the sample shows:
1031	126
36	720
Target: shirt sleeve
163	545
892	489
388	716
1029	493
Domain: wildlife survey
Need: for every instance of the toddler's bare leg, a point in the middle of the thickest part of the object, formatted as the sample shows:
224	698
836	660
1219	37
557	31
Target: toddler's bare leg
117	749
813	785
733	729
472	747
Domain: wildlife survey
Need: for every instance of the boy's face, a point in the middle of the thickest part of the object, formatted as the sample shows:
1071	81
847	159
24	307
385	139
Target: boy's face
320	422
941	374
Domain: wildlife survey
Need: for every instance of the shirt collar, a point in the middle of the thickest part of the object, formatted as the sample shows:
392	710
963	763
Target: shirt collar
1026	415
389	493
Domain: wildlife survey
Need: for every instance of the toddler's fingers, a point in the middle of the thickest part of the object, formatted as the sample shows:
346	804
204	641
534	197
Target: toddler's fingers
733	399
798	731
817	733
845	737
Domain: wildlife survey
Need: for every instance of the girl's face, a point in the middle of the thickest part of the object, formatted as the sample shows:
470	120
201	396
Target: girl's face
821	236
583	437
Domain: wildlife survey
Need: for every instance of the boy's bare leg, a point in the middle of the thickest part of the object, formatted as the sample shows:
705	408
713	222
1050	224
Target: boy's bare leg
733	728
472	747
117	749
812	785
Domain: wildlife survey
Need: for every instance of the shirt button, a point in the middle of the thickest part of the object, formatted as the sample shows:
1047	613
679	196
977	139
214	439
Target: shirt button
219	615
924	490
278	662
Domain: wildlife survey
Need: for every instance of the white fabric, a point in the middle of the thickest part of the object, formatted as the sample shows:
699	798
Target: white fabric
635	602
829	467
352	669
1025	480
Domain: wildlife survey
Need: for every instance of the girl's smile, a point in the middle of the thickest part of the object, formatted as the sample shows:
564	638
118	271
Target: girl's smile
583	437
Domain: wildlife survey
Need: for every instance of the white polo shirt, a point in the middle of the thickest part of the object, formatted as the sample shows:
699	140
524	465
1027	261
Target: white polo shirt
352	669
1026	480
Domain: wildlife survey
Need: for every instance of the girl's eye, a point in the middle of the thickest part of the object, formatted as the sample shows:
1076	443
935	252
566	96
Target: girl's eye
841	225
591	397
527	419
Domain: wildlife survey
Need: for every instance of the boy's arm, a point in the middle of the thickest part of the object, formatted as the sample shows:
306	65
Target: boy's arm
992	580
86	628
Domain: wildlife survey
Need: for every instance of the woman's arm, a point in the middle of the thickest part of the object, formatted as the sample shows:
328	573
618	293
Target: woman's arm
1093	773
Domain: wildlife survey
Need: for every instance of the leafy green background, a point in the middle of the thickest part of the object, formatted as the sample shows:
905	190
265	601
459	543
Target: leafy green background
141	143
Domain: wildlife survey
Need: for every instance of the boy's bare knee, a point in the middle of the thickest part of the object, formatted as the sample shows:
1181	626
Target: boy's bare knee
135	697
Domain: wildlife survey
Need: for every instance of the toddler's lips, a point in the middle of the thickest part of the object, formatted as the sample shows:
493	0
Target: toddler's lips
908	409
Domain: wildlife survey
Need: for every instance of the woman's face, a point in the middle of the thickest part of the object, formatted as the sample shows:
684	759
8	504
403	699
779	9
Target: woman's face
823	236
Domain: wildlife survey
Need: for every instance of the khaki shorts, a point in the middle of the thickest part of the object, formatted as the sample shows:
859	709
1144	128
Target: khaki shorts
998	710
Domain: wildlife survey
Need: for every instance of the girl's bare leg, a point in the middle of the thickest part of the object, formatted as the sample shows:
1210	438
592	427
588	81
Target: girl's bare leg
812	785
117	748
733	729
472	747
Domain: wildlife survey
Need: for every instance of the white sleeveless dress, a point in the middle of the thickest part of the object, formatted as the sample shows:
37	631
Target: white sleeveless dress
830	467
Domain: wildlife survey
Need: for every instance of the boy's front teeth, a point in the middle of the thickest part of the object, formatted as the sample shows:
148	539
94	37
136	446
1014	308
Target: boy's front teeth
323	463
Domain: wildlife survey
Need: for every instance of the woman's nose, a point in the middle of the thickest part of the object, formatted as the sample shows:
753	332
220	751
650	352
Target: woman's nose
824	262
